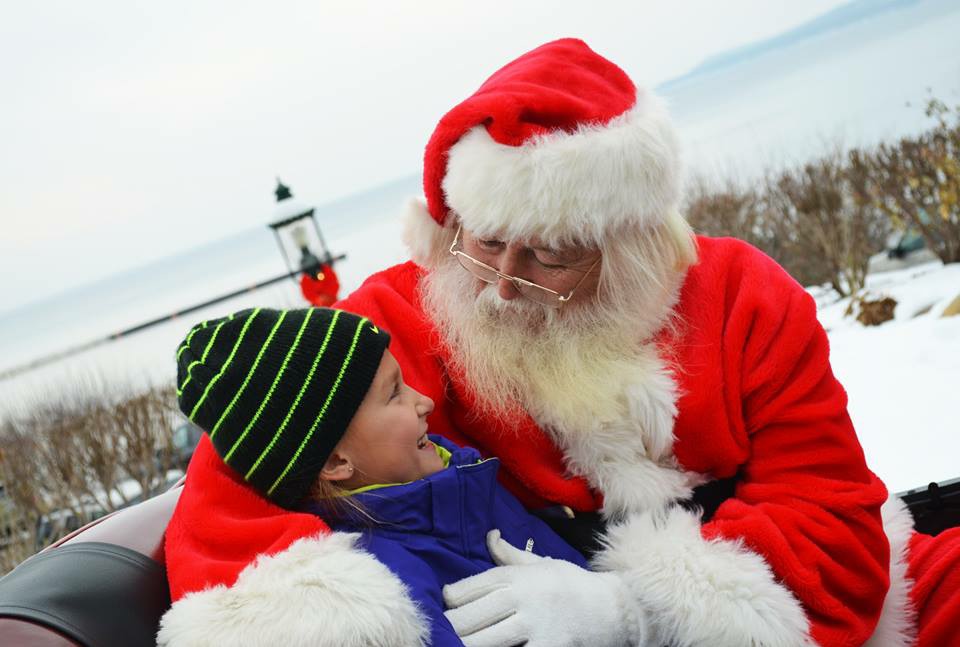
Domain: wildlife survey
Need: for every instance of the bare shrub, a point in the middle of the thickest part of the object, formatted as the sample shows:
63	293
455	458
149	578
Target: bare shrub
71	458
824	220
21	505
143	422
831	234
810	219
726	210
916	181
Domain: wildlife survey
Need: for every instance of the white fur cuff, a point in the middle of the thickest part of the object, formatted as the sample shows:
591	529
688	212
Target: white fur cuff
698	592
897	625
320	592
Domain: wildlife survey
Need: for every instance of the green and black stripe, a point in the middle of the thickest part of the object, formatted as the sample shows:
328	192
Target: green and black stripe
275	390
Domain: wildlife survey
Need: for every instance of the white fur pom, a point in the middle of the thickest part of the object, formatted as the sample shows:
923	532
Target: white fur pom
426	240
699	592
897	625
320	592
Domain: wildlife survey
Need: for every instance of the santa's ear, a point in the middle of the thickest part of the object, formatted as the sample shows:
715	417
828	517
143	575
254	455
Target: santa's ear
337	467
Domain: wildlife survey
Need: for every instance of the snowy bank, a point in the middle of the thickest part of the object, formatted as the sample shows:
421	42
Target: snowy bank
903	376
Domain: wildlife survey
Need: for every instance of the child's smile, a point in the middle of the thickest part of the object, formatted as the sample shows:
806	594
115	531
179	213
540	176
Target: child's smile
386	441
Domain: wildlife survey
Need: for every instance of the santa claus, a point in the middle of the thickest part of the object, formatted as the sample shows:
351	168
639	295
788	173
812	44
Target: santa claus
671	392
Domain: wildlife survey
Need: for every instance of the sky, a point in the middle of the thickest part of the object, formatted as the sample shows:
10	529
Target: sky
130	130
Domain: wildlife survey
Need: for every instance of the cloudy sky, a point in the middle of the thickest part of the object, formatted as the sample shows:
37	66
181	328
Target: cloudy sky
130	130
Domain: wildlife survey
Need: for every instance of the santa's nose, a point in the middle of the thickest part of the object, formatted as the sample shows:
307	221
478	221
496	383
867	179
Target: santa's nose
507	289
509	264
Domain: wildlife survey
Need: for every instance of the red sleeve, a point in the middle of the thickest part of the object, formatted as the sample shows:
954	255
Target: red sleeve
935	571
220	525
805	499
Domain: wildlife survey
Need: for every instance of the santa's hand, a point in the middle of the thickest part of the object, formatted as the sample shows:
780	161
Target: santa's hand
540	602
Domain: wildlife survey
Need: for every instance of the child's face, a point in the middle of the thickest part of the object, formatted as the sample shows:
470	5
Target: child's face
386	442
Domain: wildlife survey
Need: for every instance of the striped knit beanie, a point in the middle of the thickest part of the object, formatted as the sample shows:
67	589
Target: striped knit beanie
276	389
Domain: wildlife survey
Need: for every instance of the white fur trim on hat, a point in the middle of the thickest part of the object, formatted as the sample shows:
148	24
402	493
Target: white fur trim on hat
321	592
897	625
701	592
568	186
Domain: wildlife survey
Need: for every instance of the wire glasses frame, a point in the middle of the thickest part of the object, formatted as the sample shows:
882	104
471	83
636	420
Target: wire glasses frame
529	289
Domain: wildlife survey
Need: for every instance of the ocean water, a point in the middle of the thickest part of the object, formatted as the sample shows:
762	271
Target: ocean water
847	75
366	228
853	77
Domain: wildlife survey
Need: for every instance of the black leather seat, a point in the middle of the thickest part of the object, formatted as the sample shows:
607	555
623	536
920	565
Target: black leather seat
102	586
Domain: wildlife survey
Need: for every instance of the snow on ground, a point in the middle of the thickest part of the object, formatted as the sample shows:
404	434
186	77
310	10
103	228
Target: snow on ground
903	376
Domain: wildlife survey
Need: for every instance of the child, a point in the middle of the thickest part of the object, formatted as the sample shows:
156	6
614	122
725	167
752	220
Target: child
309	410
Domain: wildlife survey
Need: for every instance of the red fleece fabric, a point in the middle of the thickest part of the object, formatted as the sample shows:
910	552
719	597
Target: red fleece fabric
935	571
569	84
759	402
320	289
220	525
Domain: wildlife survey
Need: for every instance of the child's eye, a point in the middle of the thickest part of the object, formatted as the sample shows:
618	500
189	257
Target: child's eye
396	390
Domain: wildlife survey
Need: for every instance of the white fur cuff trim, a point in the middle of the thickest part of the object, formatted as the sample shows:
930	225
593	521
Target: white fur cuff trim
897	625
568	185
320	592
699	592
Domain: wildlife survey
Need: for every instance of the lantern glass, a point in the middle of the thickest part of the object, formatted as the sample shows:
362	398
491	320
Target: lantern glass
301	243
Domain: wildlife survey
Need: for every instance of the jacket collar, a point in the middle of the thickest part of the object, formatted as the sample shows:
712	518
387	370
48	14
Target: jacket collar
432	505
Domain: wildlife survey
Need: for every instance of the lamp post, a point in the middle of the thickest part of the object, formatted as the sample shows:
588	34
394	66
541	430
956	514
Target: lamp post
298	235
303	248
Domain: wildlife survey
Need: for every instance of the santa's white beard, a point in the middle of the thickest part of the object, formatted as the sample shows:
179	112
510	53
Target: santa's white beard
565	367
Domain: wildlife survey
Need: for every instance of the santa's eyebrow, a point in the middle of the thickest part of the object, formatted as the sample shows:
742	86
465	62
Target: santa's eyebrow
569	255
558	251
545	248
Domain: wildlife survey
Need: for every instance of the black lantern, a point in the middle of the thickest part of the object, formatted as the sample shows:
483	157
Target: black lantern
298	235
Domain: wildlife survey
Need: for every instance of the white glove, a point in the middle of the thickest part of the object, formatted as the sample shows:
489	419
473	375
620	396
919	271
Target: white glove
540	602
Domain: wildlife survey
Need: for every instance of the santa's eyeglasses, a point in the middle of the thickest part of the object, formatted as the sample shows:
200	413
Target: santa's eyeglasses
529	289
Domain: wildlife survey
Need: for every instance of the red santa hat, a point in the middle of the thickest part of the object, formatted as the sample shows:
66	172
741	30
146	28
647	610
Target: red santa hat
558	144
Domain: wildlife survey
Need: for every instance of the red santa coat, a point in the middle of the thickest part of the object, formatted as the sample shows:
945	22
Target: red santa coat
800	551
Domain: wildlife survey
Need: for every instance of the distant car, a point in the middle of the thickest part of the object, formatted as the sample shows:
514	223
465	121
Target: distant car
903	250
182	443
59	523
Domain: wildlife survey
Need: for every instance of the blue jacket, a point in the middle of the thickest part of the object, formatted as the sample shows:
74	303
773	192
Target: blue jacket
432	532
